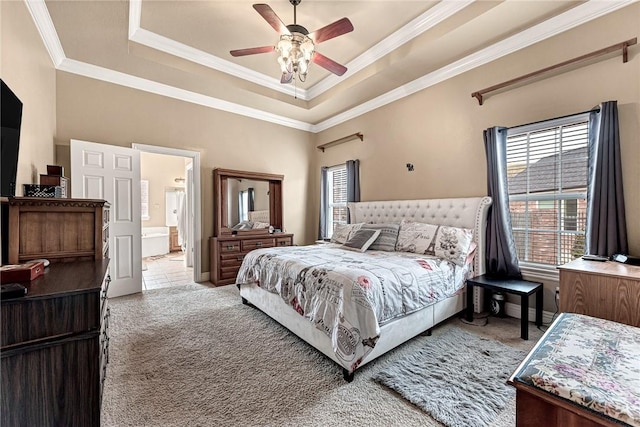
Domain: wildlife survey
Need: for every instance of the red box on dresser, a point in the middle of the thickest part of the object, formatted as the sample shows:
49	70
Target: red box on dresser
21	272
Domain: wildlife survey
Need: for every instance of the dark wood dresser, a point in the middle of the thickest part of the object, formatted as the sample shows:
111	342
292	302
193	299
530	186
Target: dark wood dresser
54	347
227	253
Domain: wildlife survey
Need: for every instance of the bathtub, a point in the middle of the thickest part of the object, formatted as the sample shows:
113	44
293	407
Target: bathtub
155	241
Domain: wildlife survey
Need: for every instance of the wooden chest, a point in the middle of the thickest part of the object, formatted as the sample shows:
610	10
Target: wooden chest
57	229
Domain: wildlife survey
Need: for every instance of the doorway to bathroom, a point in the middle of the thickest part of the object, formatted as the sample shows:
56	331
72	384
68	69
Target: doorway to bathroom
170	211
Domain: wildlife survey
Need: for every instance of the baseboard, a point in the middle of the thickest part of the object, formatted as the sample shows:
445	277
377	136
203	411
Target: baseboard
205	276
513	310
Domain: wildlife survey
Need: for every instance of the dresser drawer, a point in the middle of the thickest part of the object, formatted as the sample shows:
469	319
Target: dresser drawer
230	246
229	272
249	245
230	259
284	241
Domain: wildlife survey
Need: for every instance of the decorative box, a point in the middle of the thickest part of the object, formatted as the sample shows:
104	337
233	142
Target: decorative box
39	190
21	272
55	170
59	181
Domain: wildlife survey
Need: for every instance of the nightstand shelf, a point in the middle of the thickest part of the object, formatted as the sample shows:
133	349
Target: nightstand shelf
524	288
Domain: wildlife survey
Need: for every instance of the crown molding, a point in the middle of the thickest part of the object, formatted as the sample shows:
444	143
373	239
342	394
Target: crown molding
579	15
127	80
408	32
417	26
44	24
135	15
181	50
172	47
556	25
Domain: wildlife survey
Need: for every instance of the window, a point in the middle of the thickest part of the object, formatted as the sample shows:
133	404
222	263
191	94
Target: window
547	180
336	198
144	199
243	205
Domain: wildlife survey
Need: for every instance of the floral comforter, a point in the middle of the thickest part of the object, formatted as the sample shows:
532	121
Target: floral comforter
594	363
348	295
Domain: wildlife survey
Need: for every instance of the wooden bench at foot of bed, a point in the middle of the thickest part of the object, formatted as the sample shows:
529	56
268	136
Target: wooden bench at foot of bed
583	372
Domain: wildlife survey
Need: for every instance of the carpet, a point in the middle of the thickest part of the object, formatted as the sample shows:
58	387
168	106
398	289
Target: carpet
196	356
458	378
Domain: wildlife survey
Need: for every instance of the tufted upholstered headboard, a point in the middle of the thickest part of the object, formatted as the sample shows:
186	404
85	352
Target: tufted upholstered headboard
468	212
260	216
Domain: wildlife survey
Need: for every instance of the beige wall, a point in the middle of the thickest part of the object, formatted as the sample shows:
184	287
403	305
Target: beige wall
161	171
27	69
439	129
96	111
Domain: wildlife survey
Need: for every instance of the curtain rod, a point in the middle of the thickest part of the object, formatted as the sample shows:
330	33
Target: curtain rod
358	135
595	110
624	46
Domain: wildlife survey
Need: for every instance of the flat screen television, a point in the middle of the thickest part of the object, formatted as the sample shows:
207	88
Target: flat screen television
10	120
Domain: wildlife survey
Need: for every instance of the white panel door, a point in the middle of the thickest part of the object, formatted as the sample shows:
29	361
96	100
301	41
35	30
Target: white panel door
100	171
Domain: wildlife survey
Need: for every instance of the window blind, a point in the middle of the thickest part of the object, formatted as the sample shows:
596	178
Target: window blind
547	182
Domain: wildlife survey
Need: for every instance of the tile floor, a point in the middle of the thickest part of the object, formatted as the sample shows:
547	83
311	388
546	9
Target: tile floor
164	271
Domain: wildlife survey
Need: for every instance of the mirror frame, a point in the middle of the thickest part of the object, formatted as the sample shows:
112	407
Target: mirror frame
220	199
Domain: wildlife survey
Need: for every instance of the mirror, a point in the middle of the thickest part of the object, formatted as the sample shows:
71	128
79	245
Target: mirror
248	200
246	196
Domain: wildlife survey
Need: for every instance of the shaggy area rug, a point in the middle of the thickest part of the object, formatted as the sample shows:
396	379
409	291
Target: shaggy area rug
458	378
196	356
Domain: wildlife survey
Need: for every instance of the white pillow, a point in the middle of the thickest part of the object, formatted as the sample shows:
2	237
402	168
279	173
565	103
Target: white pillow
260	225
450	243
343	232
243	225
416	237
361	240
454	244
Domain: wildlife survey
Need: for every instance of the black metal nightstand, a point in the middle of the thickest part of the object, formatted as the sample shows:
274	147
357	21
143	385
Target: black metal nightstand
524	288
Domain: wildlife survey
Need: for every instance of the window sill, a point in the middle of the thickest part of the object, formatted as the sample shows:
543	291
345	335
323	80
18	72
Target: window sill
540	271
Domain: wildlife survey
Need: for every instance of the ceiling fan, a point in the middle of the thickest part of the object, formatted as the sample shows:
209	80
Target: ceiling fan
297	47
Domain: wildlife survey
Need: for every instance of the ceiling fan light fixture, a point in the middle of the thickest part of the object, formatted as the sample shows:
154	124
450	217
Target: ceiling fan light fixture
294	54
296	47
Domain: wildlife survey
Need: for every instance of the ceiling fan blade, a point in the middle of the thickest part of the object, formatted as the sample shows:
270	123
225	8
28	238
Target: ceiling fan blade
328	64
270	16
338	28
252	51
286	78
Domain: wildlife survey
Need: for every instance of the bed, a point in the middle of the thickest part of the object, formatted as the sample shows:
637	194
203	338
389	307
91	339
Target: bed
260	216
339	319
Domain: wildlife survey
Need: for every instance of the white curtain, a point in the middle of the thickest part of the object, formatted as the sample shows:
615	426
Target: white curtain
182	219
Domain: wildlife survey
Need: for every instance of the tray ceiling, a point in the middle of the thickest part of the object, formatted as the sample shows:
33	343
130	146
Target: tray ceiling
181	48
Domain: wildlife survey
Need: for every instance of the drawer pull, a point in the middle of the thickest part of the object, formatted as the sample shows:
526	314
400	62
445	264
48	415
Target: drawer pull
229	247
258	244
240	257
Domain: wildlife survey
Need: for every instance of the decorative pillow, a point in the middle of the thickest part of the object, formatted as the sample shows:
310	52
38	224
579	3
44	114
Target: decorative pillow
416	237
361	240
471	254
342	232
387	239
260	225
243	225
454	244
